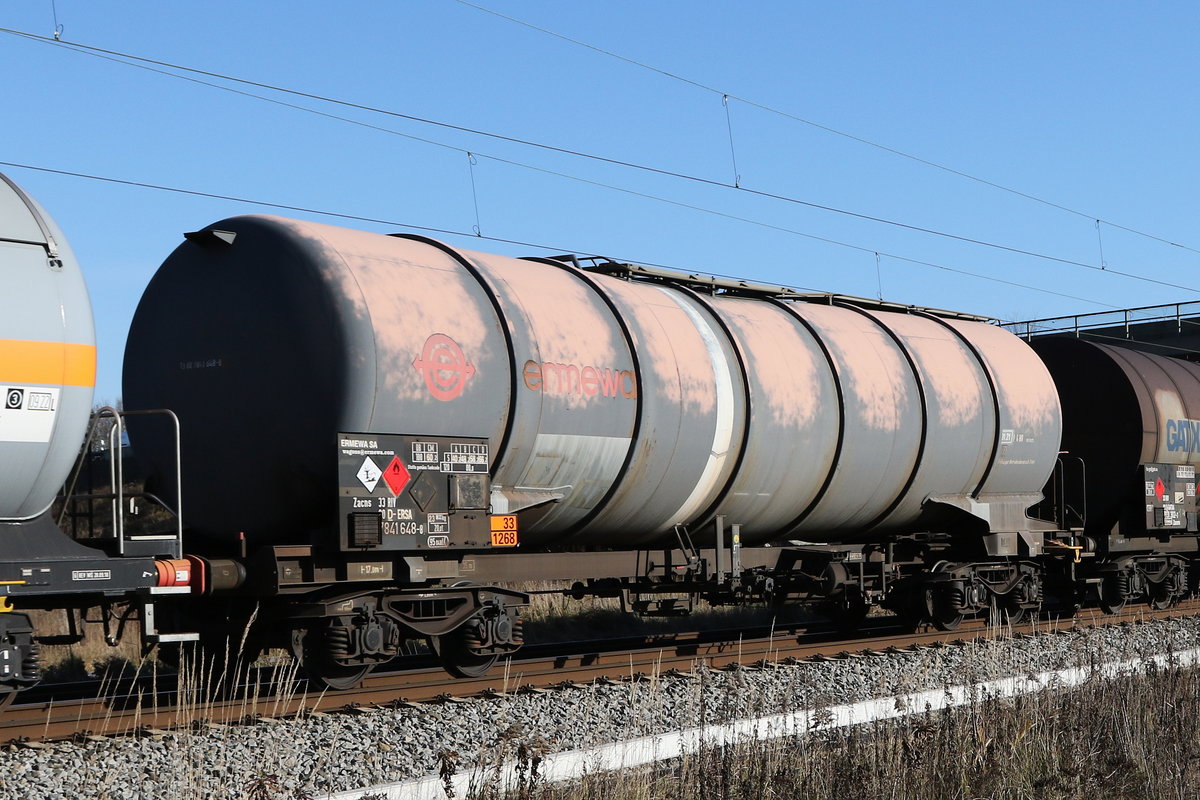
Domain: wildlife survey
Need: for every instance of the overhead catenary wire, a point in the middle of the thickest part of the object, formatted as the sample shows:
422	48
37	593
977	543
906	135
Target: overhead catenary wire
727	96
826	239
473	156
117	56
550	248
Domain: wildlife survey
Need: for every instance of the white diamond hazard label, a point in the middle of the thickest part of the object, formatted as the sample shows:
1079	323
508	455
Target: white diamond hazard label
369	474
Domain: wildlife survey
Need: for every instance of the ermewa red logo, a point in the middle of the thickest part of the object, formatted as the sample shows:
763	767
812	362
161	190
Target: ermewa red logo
444	366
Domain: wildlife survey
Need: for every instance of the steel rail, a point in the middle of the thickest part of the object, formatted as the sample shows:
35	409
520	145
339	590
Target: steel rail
144	709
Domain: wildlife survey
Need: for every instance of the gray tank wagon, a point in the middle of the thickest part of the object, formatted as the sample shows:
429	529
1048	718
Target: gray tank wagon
47	356
613	410
489	419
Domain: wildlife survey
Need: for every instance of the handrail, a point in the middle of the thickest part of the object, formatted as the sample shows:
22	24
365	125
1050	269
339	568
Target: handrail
117	472
1180	313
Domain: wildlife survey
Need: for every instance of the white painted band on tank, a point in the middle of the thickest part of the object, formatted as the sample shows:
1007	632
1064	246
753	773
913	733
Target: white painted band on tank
725	401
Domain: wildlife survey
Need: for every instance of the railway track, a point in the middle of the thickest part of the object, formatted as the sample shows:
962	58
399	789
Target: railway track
154	705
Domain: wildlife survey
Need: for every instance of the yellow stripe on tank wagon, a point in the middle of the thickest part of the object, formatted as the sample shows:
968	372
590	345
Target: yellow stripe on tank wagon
49	363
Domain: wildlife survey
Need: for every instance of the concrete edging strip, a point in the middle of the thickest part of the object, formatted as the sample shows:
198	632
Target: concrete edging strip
665	746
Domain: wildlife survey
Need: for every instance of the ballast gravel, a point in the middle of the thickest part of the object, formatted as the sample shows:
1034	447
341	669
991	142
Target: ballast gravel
339	752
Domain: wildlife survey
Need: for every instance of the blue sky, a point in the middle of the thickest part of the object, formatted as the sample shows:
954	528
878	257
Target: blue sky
1091	106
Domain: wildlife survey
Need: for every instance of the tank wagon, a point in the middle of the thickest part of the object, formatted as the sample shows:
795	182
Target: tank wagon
374	440
609	407
47	374
1128	473
380	432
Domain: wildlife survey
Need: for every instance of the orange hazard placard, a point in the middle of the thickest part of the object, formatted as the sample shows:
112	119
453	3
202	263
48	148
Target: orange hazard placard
504	530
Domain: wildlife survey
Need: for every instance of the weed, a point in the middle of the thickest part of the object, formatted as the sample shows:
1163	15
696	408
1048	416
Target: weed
1130	738
447	769
262	787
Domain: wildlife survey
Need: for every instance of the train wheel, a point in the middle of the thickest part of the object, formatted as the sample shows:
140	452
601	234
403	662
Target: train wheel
914	607
1014	613
945	608
1004	611
1009	610
458	658
1112	607
1112	598
1161	603
946	620
336	676
1161	596
1169	590
942	613
320	668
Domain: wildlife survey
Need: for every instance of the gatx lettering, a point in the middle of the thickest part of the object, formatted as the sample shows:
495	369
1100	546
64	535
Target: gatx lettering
1183	435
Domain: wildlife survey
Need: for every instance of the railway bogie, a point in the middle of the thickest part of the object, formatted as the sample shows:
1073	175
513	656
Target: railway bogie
341	638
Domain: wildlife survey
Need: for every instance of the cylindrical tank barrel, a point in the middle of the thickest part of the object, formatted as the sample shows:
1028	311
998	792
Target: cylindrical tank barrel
1122	408
642	405
47	356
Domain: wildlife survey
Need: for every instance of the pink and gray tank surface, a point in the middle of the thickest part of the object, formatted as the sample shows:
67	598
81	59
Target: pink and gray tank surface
614	409
47	356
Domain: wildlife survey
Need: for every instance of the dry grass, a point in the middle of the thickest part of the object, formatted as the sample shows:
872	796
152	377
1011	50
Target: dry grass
1127	739
200	770
90	657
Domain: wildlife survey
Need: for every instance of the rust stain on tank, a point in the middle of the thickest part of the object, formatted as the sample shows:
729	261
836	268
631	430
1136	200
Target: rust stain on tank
566	317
